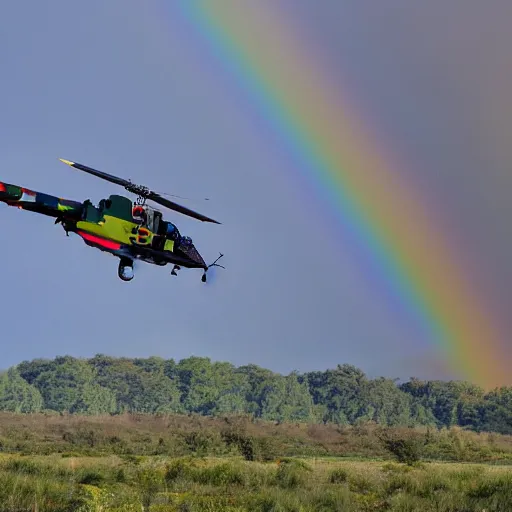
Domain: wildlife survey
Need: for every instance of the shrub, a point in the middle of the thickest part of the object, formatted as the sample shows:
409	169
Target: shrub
242	441
92	477
338	476
291	473
266	449
23	466
177	469
220	475
203	443
406	449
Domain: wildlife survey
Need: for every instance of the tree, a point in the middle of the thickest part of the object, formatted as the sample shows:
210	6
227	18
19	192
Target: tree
159	395
16	395
288	400
135	388
62	383
260	382
211	388
196	384
343	392
95	399
343	395
451	403
496	411
30	370
386	404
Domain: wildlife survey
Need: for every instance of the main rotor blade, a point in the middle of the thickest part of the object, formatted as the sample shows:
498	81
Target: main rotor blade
99	174
157	198
149	194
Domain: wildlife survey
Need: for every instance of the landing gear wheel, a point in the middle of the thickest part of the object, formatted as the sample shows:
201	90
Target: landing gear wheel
174	269
125	270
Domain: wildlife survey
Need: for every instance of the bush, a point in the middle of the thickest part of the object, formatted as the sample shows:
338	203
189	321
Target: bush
220	475
242	441
338	476
177	469
266	449
207	442
406	449
92	477
24	466
292	473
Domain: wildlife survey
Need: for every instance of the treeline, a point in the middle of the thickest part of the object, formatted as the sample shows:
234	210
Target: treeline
343	396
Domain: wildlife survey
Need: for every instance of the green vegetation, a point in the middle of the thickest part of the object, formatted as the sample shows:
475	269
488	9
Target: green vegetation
91	435
340	396
157	484
253	440
53	462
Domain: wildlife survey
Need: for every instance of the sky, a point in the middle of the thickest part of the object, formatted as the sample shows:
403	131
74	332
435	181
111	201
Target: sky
132	89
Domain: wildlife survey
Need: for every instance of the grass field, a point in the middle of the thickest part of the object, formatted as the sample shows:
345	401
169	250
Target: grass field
56	483
147	463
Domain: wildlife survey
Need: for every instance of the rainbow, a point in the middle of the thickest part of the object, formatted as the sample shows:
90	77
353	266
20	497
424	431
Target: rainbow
330	145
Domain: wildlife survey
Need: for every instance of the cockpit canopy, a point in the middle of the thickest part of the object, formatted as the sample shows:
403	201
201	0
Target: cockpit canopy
153	220
147	216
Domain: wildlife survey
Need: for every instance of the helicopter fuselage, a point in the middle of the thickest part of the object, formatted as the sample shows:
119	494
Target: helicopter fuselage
118	226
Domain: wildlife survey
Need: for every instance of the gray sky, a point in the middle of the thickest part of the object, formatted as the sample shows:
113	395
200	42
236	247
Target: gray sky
118	86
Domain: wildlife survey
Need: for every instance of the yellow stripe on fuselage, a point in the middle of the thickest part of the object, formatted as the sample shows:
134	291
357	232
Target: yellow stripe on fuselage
117	230
113	228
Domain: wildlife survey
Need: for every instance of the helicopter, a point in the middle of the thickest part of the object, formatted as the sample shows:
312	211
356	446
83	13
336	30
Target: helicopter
129	230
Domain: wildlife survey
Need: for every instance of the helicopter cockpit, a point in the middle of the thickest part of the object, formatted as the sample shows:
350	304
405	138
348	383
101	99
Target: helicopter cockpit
152	219
147	217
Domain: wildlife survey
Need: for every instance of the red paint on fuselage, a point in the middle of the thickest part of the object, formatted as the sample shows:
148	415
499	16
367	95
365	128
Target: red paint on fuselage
107	244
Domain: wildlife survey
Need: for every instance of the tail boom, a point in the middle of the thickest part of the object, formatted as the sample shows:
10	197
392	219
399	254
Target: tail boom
38	202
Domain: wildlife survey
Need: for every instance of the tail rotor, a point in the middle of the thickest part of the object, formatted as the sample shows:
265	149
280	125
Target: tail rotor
214	264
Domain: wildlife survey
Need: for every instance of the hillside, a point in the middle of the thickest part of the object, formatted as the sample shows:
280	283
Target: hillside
340	396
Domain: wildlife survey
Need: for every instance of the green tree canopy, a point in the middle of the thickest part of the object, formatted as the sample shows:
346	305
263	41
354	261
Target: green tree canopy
17	395
343	395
